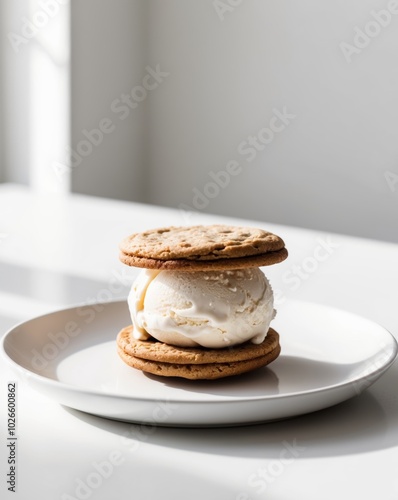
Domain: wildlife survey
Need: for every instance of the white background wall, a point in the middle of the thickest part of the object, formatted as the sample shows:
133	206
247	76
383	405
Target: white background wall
2	156
326	169
14	103
109	55
227	73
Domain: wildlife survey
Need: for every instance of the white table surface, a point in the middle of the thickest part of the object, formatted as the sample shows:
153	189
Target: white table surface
56	252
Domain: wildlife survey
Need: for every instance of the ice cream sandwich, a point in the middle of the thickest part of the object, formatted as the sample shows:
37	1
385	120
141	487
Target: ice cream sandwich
201	308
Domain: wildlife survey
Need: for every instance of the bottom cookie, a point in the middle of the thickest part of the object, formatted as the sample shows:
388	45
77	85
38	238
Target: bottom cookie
261	355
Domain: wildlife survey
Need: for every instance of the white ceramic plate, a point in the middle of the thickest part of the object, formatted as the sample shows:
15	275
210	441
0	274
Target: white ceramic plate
328	356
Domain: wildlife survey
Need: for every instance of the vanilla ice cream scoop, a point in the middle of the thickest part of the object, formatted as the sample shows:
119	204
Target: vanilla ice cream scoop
212	309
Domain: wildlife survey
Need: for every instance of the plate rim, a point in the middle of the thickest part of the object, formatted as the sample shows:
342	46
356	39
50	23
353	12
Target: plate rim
56	384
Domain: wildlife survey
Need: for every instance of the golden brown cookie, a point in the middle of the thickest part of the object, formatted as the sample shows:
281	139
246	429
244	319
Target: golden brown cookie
209	371
266	259
196	363
154	350
195	248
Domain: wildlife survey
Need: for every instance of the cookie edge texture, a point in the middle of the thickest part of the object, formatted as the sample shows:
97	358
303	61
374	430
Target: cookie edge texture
159	351
211	371
266	259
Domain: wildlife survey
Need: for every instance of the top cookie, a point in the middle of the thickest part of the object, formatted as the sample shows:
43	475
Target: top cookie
202	247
